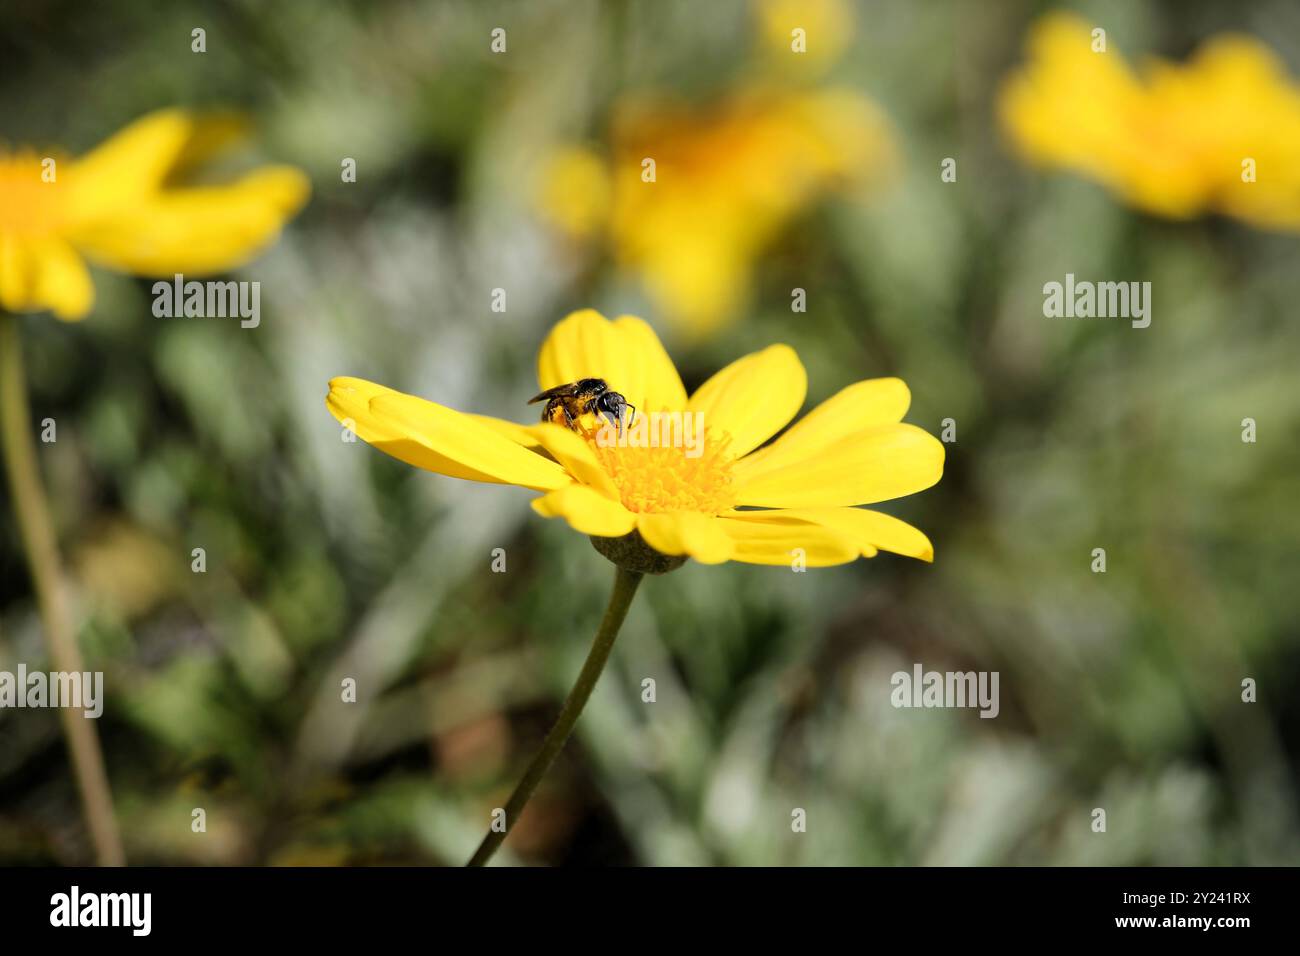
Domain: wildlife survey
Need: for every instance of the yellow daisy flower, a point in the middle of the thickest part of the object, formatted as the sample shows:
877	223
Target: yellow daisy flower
724	183
1218	133
730	498
119	206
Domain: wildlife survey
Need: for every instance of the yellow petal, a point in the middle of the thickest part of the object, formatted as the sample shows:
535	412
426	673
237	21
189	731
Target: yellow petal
200	230
687	532
872	530
586	510
752	398
585	345
880	463
764	537
626	354
45	273
662	385
573	452
876	401
1072	108
130	164
517	433
439	439
136	161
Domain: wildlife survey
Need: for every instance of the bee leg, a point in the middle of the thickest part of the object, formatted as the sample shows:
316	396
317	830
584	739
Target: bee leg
615	417
554	407
590	407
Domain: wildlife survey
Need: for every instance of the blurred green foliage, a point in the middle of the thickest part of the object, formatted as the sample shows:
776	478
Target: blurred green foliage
328	560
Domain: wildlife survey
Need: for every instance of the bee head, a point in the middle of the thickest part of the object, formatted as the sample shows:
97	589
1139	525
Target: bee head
611	405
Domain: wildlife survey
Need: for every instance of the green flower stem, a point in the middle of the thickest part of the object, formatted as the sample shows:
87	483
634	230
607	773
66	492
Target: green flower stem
625	585
36	530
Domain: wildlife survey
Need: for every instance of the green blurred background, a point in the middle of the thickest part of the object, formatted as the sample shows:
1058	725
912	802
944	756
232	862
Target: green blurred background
328	560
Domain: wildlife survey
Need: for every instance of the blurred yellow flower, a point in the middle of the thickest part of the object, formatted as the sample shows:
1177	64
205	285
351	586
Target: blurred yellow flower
815	31
802	489
119	206
722	186
1218	133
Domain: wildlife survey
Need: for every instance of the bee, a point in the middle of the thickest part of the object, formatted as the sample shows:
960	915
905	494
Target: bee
565	404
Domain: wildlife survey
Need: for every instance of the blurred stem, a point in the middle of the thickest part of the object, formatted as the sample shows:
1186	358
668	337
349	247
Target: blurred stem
625	585
36	530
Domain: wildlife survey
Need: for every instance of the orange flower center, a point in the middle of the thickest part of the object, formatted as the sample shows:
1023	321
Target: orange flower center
28	194
658	476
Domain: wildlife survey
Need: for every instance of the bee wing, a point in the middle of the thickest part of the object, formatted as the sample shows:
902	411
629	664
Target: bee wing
560	390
